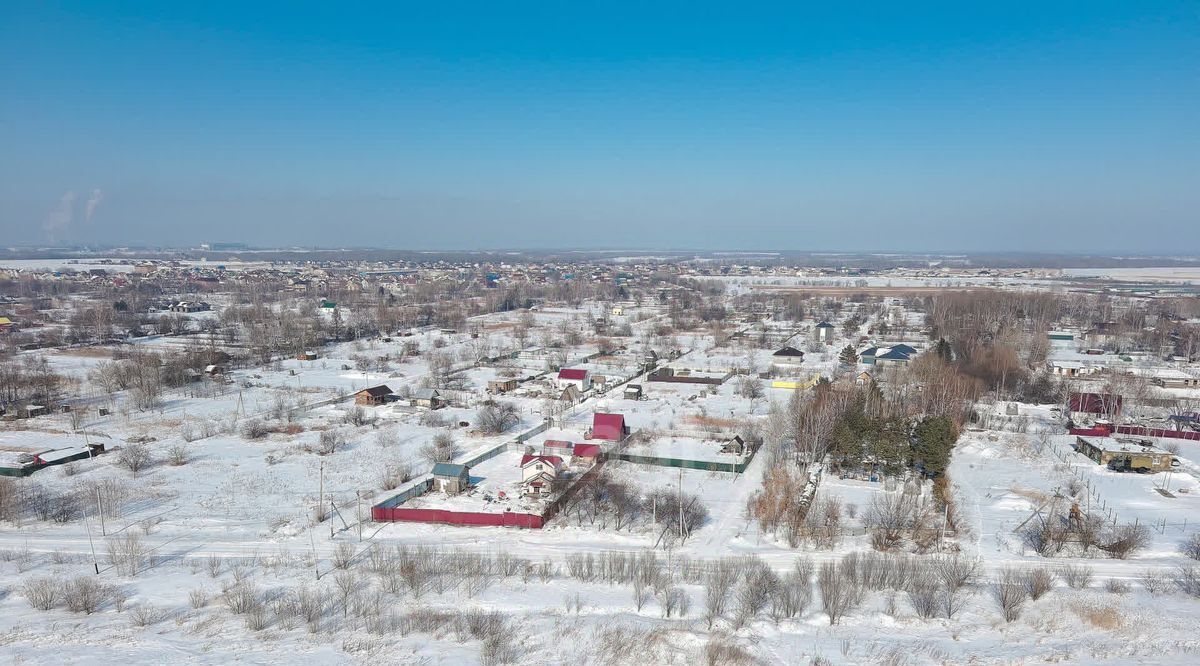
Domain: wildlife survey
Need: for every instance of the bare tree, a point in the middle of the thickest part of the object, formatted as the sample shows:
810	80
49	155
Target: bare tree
496	417
134	457
442	448
1010	594
718	584
838	593
759	585
179	453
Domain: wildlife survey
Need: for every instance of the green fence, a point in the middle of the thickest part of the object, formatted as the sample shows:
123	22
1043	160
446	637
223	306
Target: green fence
705	465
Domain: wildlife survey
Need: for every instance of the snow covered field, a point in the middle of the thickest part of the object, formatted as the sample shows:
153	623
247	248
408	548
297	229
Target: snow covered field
242	515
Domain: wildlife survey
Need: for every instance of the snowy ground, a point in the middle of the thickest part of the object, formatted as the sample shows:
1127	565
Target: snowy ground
248	506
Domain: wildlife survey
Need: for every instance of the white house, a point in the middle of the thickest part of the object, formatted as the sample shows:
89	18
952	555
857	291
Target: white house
538	473
579	378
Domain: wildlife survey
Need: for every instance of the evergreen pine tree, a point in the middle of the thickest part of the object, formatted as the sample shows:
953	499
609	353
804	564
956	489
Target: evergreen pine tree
848	356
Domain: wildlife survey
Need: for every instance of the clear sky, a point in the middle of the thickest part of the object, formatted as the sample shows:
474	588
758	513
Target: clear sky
1041	126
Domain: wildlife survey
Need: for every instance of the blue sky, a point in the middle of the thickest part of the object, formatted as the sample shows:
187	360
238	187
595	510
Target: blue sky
1068	126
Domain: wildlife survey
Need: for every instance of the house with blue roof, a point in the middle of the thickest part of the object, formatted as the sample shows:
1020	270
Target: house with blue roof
451	478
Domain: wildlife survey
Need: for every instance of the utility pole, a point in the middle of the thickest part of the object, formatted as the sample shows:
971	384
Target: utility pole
680	505
358	512
100	510
95	563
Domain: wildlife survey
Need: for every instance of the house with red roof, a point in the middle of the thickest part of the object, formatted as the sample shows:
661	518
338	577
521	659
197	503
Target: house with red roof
585	454
609	427
540	473
580	378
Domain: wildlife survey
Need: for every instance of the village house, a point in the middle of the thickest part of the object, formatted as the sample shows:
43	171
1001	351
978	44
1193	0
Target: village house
427	398
825	332
570	395
736	445
585	455
189	306
375	395
539	474
580	378
498	386
633	392
787	357
1174	379
451	478
609	427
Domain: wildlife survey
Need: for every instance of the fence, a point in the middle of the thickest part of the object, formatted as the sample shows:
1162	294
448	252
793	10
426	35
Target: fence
390	510
418	487
664	375
1158	432
685	463
446	517
1140	431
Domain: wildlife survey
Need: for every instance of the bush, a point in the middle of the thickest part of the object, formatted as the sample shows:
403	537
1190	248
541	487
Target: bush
255	429
1127	540
85	594
1191	546
1010	594
329	442
1077	577
179	454
198	598
1116	586
127	553
1037	582
41	593
1155	582
134	457
1187	580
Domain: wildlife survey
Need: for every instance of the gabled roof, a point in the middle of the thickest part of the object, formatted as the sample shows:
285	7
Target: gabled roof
572	373
608	426
789	351
377	391
893	354
538	480
586	450
529	458
824	324
426	394
869	351
449	469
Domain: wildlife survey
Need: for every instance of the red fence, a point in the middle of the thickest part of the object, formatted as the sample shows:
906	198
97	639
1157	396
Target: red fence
1091	432
1158	432
506	519
1137	431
